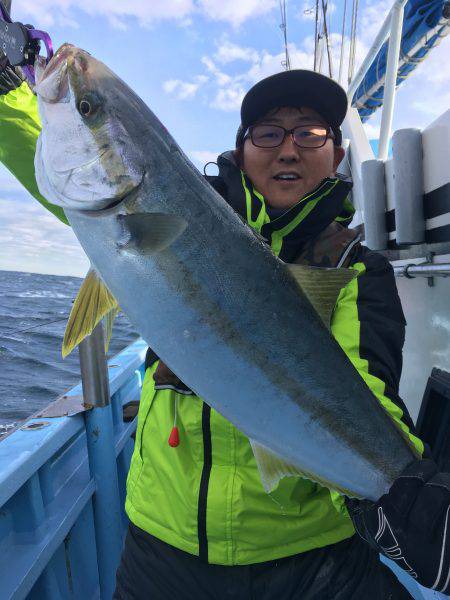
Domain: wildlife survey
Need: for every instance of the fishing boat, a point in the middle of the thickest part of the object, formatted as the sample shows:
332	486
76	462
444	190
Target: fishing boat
63	470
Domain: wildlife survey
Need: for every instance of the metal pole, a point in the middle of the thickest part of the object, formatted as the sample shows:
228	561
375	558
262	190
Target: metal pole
375	48
94	372
102	459
411	271
351	56
390	80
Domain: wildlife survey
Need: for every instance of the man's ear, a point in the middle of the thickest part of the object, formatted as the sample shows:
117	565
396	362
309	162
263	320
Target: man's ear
339	154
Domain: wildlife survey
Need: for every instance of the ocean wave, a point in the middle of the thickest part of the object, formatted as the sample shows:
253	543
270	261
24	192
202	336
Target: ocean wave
41	294
32	372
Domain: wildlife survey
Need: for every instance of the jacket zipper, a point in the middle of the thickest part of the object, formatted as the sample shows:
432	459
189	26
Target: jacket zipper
204	483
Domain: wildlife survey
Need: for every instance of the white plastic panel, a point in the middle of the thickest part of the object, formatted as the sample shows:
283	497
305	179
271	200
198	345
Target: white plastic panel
427	342
436	153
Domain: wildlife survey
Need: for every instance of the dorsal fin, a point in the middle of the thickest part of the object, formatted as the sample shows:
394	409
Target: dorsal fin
322	286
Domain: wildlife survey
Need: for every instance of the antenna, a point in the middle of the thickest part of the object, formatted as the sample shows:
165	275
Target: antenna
286	62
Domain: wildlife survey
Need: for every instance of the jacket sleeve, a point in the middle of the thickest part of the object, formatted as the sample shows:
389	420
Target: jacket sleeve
19	131
369	325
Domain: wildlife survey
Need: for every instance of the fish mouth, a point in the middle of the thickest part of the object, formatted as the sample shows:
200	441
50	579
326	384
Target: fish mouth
61	56
53	81
109	208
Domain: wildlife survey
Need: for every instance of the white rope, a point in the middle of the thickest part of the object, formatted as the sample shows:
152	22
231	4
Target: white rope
341	60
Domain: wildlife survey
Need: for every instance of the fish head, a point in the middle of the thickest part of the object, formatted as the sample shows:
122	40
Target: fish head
88	155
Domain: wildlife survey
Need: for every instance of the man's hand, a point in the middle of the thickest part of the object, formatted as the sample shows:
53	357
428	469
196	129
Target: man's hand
10	77
411	524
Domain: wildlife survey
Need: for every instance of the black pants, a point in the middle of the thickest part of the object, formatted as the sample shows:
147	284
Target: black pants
349	570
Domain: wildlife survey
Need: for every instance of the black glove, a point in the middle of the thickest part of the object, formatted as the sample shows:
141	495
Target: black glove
411	524
10	77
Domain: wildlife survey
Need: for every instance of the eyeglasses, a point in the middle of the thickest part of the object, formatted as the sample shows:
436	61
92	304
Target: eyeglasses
304	136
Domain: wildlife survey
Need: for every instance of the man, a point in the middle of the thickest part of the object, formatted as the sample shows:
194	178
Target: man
202	525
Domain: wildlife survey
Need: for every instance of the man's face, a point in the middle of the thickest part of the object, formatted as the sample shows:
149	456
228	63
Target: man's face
311	165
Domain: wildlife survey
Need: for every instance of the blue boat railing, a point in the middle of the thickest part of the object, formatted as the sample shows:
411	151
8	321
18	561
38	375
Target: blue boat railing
55	504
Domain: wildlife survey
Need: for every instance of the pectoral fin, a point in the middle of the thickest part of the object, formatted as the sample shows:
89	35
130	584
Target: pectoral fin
147	233
93	302
272	469
322	286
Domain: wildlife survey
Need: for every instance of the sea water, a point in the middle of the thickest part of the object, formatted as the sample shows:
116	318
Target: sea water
33	314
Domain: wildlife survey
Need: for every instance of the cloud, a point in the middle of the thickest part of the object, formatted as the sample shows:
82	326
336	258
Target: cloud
221	77
268	63
236	12
184	90
34	240
50	13
229	99
229	52
371	18
427	89
8	183
372	131
230	89
62	12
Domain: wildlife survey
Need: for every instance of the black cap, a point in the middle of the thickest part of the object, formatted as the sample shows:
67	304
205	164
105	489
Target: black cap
298	87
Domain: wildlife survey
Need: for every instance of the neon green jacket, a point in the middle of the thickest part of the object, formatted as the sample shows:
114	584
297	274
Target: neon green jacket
19	129
205	496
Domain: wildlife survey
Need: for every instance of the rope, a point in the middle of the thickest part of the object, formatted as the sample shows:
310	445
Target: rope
341	60
351	65
321	48
286	63
316	36
327	39
8	333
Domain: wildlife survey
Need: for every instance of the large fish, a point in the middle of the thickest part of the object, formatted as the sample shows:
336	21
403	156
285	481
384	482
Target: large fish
230	319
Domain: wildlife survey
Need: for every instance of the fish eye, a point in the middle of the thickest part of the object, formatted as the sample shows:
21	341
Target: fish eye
85	108
89	104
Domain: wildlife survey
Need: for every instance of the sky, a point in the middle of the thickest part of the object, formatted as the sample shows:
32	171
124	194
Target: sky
192	61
